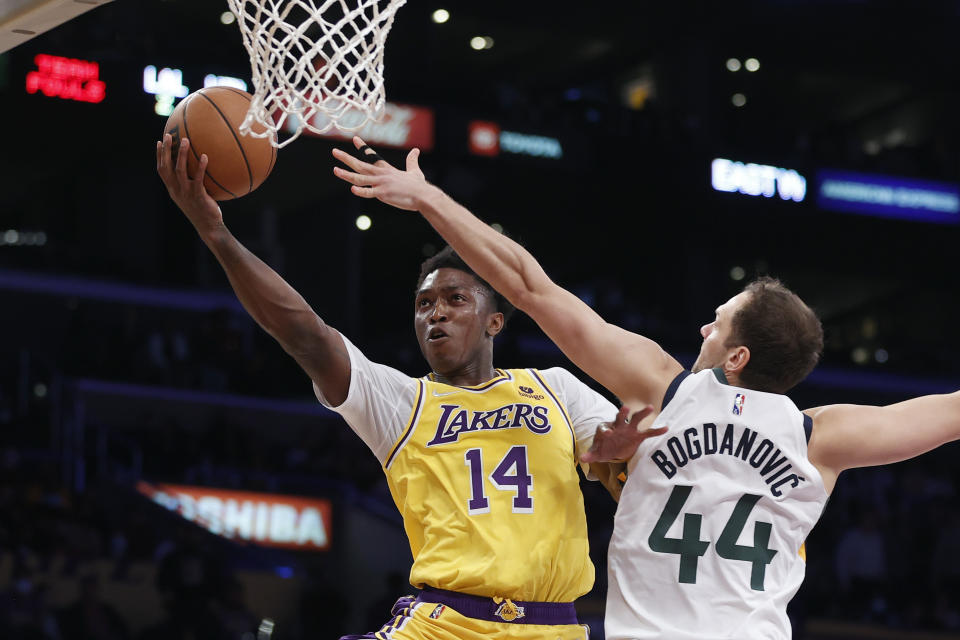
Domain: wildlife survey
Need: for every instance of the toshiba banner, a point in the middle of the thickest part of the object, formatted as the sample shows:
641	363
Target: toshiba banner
266	519
403	126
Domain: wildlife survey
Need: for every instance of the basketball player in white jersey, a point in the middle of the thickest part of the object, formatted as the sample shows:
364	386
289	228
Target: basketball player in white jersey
708	539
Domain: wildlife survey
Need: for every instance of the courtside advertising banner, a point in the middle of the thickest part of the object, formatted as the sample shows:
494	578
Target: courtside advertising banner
488	139
265	519
402	126
888	196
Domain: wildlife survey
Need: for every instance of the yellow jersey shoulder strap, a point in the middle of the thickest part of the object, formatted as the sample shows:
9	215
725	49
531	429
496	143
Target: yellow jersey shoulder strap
411	423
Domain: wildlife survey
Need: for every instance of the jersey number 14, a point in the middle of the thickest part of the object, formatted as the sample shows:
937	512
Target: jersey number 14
509	475
690	547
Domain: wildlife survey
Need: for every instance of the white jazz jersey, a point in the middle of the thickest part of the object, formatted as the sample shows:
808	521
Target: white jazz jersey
711	523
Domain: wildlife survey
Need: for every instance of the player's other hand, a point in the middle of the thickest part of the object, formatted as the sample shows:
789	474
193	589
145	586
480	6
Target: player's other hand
617	441
188	192
378	179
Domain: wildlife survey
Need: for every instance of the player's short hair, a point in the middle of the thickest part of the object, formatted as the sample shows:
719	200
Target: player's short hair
783	334
448	258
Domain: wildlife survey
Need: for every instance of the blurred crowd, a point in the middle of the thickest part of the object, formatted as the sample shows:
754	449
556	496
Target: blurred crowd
100	540
886	548
50	538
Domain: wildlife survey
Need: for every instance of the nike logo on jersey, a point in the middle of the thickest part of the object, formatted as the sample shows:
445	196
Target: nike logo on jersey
455	421
446	393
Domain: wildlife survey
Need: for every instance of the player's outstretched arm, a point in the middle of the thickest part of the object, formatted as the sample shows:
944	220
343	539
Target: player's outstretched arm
274	304
631	366
846	436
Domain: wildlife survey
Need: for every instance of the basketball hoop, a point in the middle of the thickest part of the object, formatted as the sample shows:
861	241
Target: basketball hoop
313	62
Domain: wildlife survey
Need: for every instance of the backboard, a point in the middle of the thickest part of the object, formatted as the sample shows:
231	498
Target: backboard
21	20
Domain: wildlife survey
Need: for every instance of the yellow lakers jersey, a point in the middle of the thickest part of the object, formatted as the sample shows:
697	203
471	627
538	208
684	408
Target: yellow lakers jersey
485	478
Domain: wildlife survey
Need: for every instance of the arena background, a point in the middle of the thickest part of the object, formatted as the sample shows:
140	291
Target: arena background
127	366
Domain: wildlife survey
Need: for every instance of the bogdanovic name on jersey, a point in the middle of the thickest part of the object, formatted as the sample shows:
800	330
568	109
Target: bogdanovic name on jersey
736	441
455	421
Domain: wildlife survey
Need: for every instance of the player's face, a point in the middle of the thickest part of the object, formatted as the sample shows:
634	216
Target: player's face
452	317
716	334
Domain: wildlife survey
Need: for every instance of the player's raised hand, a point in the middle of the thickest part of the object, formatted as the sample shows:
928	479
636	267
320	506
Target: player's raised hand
373	177
187	192
617	441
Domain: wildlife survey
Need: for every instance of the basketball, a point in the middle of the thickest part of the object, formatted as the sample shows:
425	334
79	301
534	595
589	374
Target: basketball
210	118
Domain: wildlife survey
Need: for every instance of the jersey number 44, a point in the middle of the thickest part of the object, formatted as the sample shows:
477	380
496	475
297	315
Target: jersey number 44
690	547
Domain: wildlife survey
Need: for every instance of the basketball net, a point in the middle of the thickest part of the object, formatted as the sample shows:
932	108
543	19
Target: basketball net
315	64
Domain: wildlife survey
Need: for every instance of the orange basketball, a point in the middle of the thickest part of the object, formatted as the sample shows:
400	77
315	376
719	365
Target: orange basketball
210	118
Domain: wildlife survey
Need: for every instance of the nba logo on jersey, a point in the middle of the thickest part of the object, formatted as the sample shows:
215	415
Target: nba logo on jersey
436	612
738	404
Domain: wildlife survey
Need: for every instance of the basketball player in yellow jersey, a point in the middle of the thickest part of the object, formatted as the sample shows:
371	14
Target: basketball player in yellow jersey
480	461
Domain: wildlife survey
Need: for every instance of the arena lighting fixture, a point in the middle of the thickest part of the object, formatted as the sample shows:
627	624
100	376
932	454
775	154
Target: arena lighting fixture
478	43
440	16
752	64
733	64
738	99
364	222
227	17
737	273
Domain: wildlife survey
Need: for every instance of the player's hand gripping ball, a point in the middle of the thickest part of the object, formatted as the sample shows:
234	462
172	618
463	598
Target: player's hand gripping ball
210	118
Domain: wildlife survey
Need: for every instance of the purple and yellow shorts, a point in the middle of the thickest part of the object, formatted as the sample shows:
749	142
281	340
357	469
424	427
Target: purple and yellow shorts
436	614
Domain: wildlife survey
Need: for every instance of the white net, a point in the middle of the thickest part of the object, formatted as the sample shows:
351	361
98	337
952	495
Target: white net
315	64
